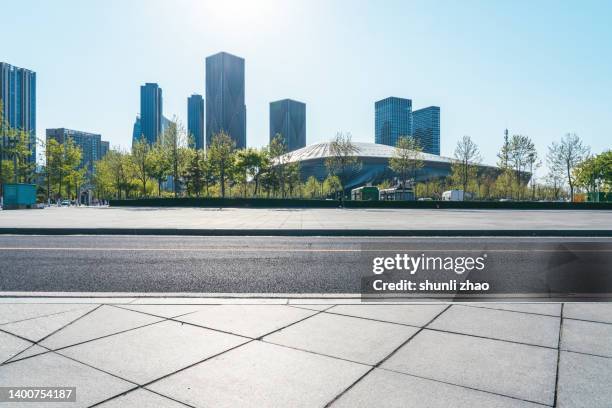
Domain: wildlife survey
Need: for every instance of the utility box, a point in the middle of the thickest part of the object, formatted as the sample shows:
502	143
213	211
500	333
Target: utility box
18	196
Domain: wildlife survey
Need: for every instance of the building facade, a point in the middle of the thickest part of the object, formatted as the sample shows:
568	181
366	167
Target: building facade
225	108
195	120
18	97
393	119
288	118
92	146
151	108
426	128
136	130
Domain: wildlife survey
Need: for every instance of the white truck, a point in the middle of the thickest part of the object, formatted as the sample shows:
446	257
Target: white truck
452	195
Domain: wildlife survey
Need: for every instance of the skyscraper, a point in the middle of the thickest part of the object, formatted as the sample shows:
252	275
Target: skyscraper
393	119
136	130
288	118
195	120
225	108
91	145
151	108
426	128
18	97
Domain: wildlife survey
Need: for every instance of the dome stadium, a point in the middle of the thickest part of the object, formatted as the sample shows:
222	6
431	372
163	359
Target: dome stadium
374	167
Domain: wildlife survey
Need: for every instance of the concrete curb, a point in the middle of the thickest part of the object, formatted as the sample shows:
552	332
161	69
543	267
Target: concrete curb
308	232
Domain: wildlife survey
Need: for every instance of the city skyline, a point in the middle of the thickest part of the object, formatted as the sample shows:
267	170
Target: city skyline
476	68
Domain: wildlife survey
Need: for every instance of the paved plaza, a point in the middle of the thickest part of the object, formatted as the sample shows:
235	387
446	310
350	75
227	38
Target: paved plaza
304	219
307	352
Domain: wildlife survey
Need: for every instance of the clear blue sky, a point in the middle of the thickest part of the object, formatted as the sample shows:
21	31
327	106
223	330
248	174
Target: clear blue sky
540	68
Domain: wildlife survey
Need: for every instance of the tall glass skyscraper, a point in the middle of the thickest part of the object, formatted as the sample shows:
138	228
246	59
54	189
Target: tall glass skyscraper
225	108
426	128
288	118
92	146
151	108
393	119
18	97
195	120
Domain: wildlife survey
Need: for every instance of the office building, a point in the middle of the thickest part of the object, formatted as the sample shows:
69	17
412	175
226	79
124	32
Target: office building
393	119
104	148
151	108
91	145
195	120
18	97
136	130
288	118
225	108
426	128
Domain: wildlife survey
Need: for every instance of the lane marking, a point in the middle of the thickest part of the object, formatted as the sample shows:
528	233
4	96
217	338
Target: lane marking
294	249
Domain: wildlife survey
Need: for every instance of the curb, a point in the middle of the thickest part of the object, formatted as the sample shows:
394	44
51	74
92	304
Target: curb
307	232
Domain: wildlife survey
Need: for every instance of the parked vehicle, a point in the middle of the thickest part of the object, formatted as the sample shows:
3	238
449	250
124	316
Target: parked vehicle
65	203
452	195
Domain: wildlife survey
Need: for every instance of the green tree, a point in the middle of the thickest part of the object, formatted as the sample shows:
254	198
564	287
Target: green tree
594	174
407	159
160	164
565	156
343	157
221	156
465	165
142	159
196	174
176	144
312	187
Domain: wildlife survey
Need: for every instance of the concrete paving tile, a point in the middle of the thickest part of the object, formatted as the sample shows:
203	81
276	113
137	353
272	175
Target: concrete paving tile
31	351
11	345
551	309
67	299
101	322
10	312
500	324
587	337
363	341
393	390
252	321
415	315
318	308
584	381
163	310
141	398
150	352
261	375
52	370
515	370
40	327
597	312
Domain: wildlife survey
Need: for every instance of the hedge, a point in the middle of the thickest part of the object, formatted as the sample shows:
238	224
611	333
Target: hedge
306	203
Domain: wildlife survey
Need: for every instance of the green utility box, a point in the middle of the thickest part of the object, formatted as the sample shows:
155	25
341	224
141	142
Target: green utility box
19	196
365	193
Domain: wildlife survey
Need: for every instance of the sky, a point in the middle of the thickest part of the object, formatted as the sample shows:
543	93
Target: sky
537	68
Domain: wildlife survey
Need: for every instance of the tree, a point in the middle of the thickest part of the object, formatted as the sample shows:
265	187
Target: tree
248	165
595	173
63	162
467	157
160	164
195	176
343	157
520	152
176	144
143	162
221	156
332	184
312	187
566	156
407	159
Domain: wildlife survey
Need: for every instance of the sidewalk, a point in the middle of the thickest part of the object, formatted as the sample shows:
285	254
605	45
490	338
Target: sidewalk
219	352
305	219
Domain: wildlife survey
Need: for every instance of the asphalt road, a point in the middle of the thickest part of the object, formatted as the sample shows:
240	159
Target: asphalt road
270	264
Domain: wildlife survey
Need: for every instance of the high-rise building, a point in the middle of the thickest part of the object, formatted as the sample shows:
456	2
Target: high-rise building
393	119
18	97
426	128
104	148
151	108
136	130
288	118
225	108
91	145
195	119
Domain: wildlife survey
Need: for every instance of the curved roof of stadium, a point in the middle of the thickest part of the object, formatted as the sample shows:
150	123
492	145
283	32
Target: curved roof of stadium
323	150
